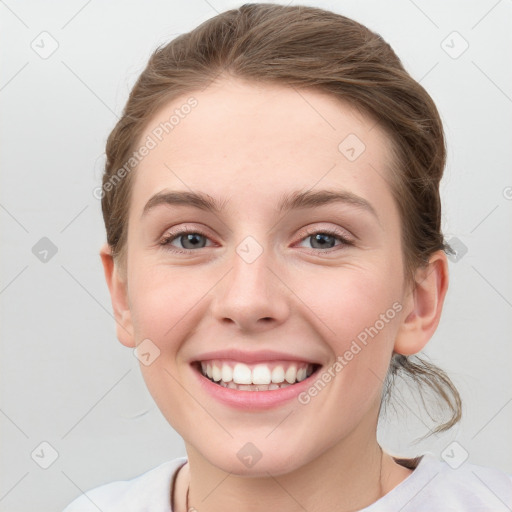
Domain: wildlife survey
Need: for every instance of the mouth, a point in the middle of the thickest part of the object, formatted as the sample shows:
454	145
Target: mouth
267	376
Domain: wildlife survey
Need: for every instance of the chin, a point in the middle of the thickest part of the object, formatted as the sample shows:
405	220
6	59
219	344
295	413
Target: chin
249	461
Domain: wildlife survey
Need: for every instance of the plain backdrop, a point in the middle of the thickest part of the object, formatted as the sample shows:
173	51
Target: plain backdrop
72	398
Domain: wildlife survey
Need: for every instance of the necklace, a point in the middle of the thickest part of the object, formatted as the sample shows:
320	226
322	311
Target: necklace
192	509
380	472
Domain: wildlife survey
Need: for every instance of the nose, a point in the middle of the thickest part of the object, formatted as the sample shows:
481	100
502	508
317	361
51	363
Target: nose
251	297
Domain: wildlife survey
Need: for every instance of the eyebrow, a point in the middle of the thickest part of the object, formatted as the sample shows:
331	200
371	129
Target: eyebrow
289	201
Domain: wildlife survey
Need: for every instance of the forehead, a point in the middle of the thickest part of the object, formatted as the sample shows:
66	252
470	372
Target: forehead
236	138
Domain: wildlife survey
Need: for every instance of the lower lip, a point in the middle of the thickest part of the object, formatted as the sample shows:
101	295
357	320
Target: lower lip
253	399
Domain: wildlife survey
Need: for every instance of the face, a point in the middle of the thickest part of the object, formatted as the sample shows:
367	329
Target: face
288	256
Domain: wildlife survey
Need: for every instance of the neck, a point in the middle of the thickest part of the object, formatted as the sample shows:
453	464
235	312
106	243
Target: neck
350	476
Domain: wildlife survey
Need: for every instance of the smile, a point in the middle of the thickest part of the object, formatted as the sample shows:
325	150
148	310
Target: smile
268	376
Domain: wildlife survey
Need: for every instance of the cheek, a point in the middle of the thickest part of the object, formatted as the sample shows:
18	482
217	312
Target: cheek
358	314
162	299
164	305
350	300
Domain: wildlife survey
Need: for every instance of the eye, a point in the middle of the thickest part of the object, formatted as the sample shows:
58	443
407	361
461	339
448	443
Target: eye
326	239
185	239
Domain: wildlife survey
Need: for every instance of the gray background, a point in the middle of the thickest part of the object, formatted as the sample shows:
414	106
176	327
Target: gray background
66	381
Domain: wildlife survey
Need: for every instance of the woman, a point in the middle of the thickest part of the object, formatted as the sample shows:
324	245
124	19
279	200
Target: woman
274	256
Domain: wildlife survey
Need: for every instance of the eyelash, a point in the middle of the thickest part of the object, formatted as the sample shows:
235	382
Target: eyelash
172	235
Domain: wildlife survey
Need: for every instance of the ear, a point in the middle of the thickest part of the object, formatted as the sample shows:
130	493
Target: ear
424	305
118	294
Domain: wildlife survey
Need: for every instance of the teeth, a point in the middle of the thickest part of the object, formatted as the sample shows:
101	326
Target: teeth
278	375
216	373
291	374
242	374
227	373
253	387
261	374
259	377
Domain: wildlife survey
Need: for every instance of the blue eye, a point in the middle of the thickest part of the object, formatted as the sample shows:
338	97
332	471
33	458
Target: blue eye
322	241
188	240
326	239
192	240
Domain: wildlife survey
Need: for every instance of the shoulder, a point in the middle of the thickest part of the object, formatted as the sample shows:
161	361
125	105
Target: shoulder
149	491
470	487
435	485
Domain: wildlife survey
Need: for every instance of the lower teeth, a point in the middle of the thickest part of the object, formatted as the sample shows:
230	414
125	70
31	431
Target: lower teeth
251	387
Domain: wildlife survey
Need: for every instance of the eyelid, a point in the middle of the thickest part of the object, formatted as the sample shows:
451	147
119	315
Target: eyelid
335	231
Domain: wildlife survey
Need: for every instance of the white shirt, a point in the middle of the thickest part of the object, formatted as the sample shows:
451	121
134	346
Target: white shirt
432	487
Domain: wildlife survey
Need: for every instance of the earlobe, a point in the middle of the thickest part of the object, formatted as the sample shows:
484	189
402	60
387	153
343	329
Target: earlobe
424	306
119	297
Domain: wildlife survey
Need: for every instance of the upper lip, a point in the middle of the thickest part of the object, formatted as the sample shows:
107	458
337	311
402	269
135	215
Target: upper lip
259	356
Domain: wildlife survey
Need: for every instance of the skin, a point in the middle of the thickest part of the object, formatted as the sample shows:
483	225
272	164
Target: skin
246	145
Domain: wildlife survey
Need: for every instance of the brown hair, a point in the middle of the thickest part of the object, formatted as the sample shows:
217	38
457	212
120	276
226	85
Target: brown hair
301	47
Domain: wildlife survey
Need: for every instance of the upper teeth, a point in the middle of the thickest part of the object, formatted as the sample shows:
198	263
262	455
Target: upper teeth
261	373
